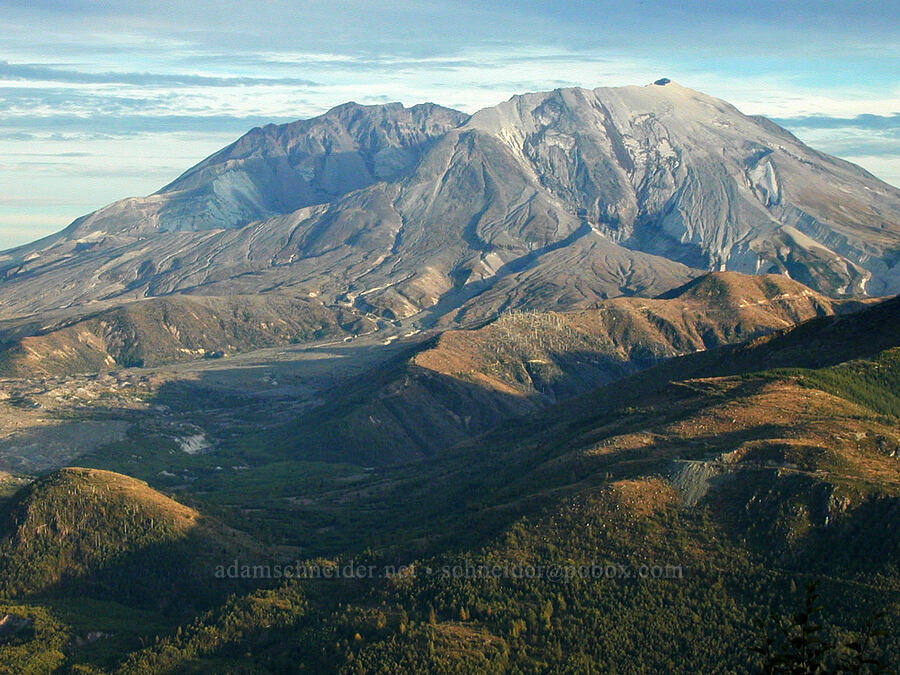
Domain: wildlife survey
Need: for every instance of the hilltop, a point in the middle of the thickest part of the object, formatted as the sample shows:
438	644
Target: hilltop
94	532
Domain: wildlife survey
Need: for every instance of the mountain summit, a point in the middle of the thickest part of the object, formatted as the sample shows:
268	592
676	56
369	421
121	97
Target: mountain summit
550	200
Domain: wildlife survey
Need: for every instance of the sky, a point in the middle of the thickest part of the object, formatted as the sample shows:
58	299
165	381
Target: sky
101	100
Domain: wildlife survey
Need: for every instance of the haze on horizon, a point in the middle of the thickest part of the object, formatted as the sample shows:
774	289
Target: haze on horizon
101	101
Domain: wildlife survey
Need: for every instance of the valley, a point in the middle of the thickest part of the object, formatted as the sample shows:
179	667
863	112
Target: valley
703	462
74	414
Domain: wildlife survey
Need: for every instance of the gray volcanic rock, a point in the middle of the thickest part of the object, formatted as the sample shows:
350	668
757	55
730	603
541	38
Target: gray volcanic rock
278	169
670	171
551	200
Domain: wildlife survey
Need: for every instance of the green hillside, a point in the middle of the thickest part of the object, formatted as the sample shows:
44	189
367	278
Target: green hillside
101	534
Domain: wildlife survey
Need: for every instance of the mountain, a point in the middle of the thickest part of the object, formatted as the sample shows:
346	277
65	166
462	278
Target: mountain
548	201
587	381
463	383
279	169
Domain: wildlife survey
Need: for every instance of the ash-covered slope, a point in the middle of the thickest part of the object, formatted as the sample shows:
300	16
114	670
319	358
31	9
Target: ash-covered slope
552	200
278	169
671	171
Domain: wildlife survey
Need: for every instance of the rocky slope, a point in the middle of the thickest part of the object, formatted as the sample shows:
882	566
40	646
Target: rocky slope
551	200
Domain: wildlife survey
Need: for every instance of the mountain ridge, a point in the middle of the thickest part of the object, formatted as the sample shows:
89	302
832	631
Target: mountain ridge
551	200
169	329
462	383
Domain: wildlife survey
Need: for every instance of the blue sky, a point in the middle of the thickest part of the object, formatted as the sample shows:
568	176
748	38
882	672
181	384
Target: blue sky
103	100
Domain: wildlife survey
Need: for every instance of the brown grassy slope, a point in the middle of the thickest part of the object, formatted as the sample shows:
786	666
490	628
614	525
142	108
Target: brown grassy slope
560	354
806	479
172	329
701	416
761	423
